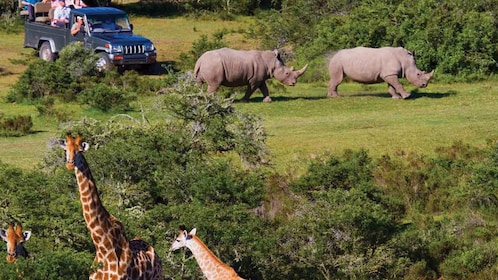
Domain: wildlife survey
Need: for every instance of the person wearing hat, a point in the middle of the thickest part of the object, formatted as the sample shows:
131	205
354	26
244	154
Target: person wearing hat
75	29
61	14
29	5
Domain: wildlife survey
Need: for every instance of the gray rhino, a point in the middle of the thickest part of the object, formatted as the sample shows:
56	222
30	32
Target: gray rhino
233	68
375	65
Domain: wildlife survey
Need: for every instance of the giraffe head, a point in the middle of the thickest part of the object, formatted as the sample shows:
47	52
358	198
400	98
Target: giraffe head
15	239
72	146
182	239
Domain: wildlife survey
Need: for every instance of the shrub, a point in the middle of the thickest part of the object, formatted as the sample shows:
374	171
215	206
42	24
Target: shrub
106	97
9	20
64	78
15	126
333	172
187	60
40	79
65	264
455	37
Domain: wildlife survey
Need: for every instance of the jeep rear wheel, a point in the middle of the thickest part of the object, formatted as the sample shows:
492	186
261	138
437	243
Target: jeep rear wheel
45	52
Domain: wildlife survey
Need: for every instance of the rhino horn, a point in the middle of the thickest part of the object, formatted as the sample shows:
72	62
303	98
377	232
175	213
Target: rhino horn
429	75
300	72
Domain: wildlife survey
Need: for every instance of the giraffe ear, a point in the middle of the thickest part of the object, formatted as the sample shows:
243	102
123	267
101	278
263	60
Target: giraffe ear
85	146
3	234
26	235
62	143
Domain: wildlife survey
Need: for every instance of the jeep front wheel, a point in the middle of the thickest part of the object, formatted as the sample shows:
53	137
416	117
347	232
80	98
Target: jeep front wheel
45	52
103	63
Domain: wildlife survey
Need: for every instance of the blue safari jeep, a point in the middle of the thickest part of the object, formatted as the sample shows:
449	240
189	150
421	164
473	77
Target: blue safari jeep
106	30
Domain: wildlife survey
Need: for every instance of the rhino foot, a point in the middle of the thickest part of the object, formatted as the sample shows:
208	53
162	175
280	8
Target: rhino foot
406	96
267	99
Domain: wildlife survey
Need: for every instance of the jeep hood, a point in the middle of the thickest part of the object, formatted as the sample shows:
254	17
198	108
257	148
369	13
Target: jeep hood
122	38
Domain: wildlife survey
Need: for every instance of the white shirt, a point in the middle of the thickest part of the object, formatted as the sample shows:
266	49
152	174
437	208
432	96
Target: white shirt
62	12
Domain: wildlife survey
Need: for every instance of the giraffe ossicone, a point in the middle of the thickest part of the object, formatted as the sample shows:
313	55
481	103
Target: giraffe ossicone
116	257
15	238
212	267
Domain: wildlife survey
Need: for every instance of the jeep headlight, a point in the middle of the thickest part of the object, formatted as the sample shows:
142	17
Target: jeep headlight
114	48
149	47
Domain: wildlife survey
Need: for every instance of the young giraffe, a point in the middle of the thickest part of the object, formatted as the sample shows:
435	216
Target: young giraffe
15	239
212	267
116	256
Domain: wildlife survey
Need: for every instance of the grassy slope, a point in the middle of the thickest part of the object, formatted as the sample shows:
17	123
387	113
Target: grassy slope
301	123
304	123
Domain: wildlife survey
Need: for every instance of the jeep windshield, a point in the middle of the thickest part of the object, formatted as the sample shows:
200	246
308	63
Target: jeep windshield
108	23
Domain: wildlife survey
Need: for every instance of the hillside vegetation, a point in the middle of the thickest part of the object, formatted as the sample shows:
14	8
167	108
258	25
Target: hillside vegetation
306	187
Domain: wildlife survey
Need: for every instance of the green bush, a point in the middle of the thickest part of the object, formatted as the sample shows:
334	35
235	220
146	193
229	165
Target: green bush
15	126
188	59
106	97
457	38
332	173
64	264
400	216
73	77
64	78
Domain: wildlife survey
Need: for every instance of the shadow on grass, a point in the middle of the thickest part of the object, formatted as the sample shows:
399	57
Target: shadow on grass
257	99
163	68
414	94
282	97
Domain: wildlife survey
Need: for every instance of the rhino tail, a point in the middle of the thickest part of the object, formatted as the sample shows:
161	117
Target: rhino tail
197	68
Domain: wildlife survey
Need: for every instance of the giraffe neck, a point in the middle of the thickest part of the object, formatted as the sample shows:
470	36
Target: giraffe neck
109	239
96	216
211	266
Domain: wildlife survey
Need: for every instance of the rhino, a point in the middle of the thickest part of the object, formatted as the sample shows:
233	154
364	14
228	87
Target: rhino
376	65
233	68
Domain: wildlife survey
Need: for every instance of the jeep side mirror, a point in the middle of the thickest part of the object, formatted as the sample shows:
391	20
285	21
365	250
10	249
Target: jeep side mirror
131	26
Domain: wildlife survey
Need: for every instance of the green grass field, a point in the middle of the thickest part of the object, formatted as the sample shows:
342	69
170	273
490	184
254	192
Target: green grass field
302	122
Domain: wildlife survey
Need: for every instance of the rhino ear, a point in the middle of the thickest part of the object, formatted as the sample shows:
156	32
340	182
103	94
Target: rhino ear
277	54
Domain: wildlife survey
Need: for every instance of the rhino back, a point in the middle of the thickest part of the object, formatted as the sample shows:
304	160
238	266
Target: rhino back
369	65
230	67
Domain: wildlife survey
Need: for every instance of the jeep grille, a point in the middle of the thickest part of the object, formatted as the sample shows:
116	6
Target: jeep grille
133	49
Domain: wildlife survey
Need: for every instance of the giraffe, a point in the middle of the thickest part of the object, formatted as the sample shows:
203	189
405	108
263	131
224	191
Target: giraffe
116	256
212	267
15	238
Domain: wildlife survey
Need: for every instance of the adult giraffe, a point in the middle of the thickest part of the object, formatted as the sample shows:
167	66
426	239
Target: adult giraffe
212	267
15	238
116	256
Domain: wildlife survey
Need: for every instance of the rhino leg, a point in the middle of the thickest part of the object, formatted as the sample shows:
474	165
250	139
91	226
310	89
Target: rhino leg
396	85
212	88
393	93
266	93
249	91
335	79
